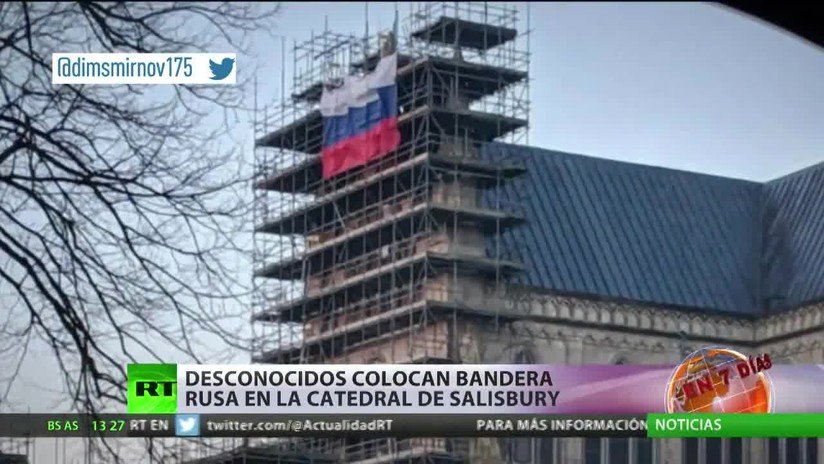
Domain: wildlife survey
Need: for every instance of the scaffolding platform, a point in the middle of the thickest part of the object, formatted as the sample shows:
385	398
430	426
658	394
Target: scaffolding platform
368	63
304	134
465	34
383	317
454	123
266	455
382	276
310	94
319	216
305	176
291	267
391	260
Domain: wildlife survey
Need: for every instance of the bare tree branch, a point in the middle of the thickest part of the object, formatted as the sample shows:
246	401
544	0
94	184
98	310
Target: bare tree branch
119	207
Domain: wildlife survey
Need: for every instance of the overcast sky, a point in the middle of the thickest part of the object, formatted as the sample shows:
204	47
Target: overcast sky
691	86
682	85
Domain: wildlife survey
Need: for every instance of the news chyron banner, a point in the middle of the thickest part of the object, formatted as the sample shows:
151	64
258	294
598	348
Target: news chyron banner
714	392
693	398
711	380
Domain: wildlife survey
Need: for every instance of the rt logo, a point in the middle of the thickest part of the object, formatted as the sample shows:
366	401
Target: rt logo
155	388
152	388
221	71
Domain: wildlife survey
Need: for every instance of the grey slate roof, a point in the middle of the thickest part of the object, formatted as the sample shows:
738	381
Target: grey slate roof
624	231
794	246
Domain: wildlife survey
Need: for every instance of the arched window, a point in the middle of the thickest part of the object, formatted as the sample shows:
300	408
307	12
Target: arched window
736	451
592	450
644	450
713	450
689	450
546	448
524	450
800	450
620	450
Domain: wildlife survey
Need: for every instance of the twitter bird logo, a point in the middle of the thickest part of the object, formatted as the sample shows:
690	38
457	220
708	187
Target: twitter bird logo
222	70
187	425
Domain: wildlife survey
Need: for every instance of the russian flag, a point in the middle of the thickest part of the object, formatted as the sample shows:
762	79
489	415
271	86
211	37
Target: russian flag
360	118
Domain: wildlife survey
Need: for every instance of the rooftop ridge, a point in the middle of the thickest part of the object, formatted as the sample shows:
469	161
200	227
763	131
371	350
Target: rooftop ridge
594	158
800	172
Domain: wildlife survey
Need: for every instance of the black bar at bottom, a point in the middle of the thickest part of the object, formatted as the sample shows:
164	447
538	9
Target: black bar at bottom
423	425
322	425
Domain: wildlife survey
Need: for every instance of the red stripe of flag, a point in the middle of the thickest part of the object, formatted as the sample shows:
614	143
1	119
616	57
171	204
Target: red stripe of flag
362	148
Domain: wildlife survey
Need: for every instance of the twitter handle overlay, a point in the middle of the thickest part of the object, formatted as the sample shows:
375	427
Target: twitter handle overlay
144	68
297	426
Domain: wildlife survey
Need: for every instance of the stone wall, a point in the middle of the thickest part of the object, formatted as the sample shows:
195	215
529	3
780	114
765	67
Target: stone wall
567	330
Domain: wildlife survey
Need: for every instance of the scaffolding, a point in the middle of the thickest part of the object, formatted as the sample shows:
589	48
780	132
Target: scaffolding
387	262
260	450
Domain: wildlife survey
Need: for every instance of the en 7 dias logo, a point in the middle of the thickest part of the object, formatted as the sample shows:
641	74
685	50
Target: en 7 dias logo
152	388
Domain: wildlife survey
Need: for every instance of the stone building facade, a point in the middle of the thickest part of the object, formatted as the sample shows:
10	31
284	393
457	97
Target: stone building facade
566	330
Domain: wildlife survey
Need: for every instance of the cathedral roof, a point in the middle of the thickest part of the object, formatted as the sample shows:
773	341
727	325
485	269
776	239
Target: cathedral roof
617	230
